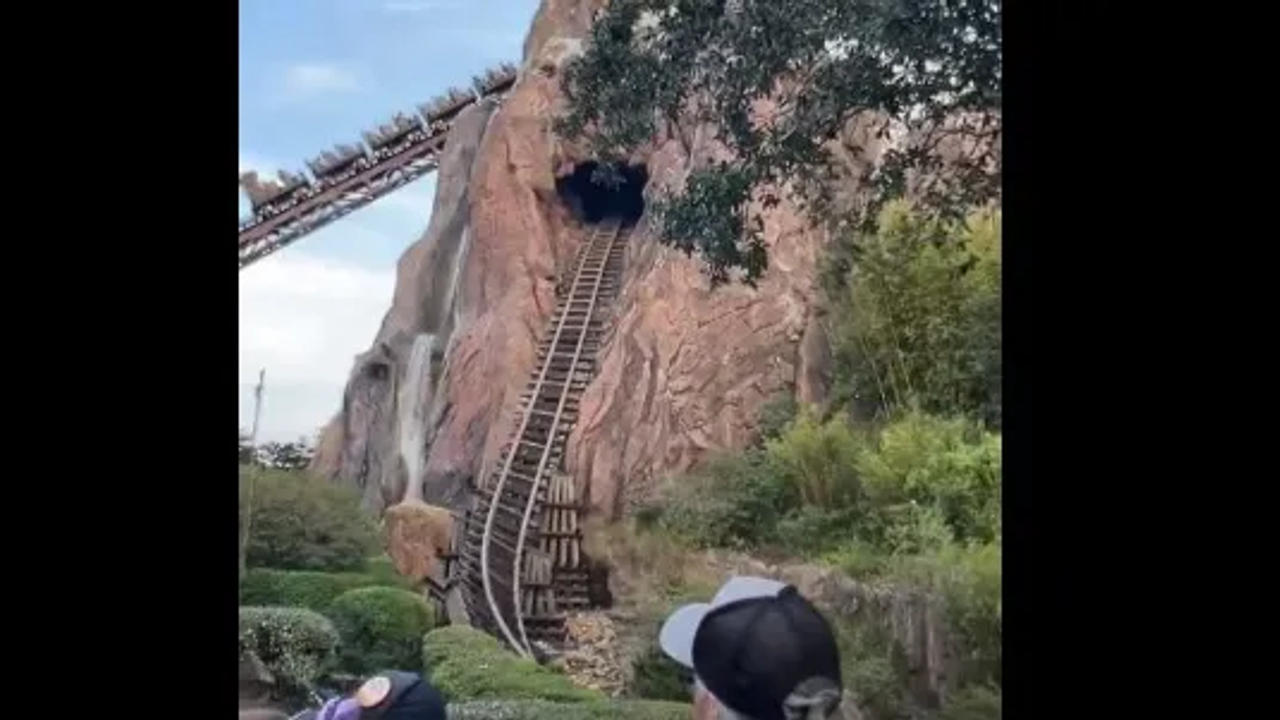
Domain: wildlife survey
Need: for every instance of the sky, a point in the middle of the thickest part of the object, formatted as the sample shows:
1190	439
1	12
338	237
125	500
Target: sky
314	73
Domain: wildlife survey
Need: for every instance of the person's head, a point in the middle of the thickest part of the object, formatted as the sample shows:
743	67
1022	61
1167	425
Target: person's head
390	695
758	651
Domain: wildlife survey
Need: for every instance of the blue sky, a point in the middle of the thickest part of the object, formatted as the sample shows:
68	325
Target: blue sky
314	73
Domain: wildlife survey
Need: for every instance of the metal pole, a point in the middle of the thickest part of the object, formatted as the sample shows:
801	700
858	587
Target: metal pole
257	412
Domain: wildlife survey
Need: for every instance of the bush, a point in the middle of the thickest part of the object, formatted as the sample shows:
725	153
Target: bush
595	710
383	571
818	461
969	581
300	522
731	501
466	664
304	588
951	466
776	415
917	320
657	677
381	628
295	645
811	531
975	702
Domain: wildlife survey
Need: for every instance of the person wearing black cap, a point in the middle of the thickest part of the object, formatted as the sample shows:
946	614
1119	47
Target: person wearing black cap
390	695
759	651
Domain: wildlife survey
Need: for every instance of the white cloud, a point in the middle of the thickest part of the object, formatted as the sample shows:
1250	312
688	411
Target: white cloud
304	319
306	80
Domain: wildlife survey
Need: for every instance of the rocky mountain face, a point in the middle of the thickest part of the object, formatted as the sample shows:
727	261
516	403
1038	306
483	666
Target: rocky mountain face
684	370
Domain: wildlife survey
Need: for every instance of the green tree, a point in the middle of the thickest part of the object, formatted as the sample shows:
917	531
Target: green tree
930	70
287	456
300	522
916	320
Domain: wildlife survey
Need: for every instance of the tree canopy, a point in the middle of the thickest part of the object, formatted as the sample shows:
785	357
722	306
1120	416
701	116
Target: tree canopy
918	64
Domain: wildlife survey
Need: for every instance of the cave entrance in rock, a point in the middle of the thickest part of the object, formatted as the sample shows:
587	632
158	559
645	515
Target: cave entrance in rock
593	198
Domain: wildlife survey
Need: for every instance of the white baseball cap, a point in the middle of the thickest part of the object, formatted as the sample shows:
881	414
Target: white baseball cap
676	637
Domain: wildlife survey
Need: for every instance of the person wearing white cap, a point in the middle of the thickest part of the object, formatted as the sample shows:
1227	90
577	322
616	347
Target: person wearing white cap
758	651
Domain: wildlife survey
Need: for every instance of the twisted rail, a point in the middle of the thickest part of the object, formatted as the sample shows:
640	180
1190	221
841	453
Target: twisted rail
599	261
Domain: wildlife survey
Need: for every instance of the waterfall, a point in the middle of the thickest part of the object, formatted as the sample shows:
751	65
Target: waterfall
412	408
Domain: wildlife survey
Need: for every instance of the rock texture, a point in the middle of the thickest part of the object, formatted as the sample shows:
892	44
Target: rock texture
417	534
359	446
685	369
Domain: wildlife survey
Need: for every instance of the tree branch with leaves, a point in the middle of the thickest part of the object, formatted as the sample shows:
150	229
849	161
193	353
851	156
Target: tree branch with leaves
921	64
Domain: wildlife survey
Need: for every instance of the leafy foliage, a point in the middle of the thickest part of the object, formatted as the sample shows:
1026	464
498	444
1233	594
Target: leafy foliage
912	486
305	588
915	502
295	645
381	628
299	522
973	702
658	677
545	710
968	578
818	461
946	467
731	501
649	64
466	664
286	456
916	318
776	415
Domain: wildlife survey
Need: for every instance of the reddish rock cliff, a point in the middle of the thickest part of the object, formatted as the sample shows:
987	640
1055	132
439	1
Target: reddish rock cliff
684	370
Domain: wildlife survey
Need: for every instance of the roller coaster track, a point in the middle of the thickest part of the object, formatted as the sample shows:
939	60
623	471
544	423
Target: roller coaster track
400	165
529	542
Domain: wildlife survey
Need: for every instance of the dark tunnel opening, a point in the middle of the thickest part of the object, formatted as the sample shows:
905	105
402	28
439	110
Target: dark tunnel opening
595	196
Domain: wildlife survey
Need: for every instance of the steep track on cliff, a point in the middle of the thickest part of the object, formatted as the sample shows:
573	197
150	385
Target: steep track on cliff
521	563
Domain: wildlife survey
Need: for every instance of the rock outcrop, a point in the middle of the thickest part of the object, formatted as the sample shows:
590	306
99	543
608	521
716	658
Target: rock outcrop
685	369
360	445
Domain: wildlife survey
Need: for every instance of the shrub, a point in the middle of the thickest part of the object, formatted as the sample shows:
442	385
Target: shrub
818	461
731	501
304	588
776	415
975	702
951	466
918	317
811	531
969	581
466	664
295	645
657	677
381	628
869	667
299	522
595	710
383	570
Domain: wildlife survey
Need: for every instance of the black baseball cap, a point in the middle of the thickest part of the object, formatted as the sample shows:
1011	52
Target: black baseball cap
754	645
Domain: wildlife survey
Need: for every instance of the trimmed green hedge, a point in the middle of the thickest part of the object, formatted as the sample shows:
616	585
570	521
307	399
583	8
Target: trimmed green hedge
595	710
296	645
306	588
466	664
381	628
